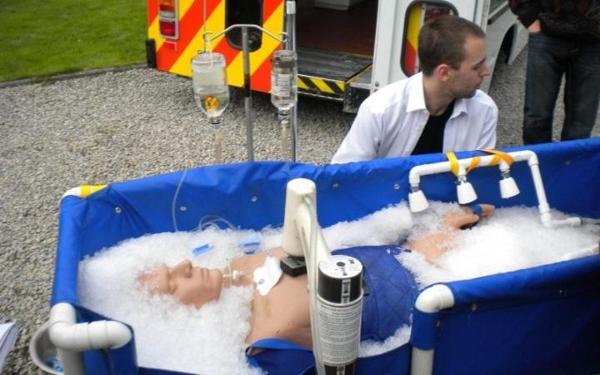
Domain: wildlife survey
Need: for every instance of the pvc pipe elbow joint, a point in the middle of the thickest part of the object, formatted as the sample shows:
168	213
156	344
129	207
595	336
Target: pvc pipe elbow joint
434	299
573	221
66	334
85	336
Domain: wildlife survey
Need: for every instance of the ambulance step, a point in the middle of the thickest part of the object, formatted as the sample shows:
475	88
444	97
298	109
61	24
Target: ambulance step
324	73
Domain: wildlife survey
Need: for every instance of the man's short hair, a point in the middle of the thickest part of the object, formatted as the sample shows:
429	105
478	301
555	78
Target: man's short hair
441	41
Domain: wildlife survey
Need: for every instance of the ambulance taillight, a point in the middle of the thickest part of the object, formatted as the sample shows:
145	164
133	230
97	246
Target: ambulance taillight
416	16
168	23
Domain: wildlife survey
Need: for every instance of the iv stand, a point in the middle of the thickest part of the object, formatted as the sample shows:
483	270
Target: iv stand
247	89
290	43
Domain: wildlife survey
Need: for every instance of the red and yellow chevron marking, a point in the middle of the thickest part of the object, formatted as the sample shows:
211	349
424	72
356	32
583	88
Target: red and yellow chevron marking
175	55
412	39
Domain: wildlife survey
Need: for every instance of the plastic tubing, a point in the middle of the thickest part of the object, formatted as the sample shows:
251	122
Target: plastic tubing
285	135
233	275
174	201
586	251
218	143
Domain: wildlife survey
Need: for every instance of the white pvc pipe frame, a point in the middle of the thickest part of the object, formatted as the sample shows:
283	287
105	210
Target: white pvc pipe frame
439	297
485	161
72	338
431	300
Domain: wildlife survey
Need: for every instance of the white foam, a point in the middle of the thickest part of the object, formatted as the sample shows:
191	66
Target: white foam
370	348
382	227
514	238
211	339
170	335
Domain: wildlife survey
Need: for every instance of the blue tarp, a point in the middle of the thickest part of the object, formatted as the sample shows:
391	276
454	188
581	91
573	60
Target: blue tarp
252	195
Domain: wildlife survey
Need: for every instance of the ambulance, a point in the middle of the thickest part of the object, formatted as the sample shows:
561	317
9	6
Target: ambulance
346	49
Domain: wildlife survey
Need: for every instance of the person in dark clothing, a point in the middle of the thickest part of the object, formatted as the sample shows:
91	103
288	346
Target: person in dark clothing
564	39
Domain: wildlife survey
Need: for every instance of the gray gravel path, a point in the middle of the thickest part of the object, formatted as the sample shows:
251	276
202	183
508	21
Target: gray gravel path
124	125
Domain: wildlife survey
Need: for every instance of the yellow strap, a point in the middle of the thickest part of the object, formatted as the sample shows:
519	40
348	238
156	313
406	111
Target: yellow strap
474	163
453	163
499	155
86	190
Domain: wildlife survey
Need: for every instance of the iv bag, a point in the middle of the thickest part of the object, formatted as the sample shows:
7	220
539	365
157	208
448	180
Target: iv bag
284	92
209	78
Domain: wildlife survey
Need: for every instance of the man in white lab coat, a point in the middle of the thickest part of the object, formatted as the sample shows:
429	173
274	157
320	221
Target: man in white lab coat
440	109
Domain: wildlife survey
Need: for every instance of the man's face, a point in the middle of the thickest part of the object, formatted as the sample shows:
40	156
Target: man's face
188	284
464	81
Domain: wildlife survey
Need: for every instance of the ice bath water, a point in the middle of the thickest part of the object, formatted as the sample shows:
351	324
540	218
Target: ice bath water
210	340
170	335
512	239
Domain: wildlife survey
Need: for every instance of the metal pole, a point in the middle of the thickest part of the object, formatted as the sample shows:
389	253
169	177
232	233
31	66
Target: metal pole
248	94
290	29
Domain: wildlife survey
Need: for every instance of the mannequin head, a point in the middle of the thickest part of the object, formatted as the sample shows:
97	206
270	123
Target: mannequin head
190	285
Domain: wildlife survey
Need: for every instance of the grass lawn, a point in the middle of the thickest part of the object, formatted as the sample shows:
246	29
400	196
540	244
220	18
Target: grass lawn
42	38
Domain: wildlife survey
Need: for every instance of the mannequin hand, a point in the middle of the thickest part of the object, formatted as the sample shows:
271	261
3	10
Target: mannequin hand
464	217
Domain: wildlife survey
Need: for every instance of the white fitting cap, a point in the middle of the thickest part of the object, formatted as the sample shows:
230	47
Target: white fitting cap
465	192
508	188
417	201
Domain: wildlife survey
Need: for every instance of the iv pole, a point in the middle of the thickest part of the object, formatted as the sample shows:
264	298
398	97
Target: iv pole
290	43
247	89
247	95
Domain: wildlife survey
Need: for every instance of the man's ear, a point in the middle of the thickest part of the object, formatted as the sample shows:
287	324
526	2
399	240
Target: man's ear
442	72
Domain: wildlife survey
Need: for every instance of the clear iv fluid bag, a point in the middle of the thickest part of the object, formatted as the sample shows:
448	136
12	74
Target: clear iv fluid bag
209	77
284	92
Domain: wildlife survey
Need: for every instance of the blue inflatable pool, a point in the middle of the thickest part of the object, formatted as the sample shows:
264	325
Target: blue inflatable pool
533	321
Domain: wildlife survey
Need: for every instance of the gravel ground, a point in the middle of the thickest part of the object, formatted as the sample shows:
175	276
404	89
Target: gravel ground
124	125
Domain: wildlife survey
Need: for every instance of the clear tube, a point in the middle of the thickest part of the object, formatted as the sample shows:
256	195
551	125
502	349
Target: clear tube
217	143
174	201
590	221
284	120
230	277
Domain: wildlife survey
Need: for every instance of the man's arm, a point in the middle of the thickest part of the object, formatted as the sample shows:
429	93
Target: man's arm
362	141
525	10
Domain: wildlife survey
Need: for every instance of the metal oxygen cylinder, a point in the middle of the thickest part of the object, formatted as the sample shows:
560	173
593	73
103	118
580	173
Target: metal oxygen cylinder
339	310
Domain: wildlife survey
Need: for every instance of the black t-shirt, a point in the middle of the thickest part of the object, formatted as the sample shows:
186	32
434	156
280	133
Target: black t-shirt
432	138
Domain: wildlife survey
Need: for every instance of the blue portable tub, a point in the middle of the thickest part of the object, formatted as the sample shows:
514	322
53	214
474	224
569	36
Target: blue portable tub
540	320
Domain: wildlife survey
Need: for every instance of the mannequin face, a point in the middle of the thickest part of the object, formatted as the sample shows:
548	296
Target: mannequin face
188	284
